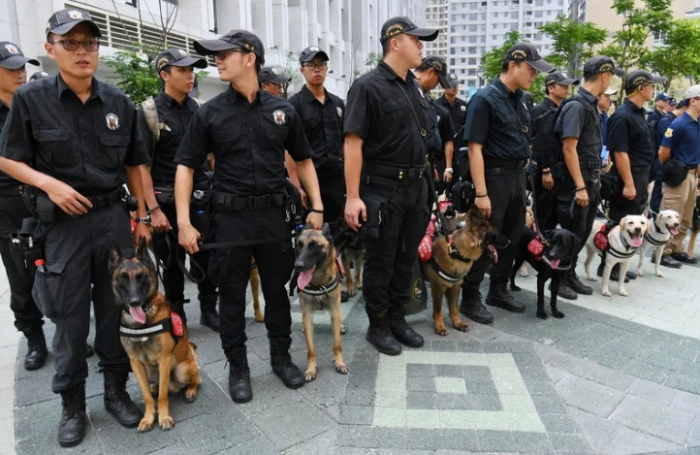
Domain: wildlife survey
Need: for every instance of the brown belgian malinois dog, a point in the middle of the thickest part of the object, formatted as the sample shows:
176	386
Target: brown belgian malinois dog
154	338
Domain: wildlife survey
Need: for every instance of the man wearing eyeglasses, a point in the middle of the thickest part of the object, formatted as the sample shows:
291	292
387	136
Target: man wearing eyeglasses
75	140
247	130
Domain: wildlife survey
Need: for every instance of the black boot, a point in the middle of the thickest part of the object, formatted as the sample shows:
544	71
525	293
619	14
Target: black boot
565	291
614	273
575	283
209	316
117	400
401	330
36	348
282	364
179	308
471	305
379	334
498	296
71	429
89	351
239	375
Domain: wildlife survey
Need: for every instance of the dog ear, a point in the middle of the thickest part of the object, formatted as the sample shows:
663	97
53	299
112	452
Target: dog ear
115	257
623	221
143	256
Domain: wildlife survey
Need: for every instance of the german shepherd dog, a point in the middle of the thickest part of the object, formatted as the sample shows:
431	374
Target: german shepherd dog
558	251
469	242
318	281
353	251
157	359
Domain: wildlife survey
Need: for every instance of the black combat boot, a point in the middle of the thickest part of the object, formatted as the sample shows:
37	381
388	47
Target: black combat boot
379	334
117	400
36	348
282	364
209	316
71	429
239	375
565	291
498	296
401	330
471	305
575	283
614	273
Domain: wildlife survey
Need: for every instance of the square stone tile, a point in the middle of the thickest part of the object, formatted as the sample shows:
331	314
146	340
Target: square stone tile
652	391
589	396
611	378
596	430
643	370
629	442
496	441
450	385
421	384
650	418
569	443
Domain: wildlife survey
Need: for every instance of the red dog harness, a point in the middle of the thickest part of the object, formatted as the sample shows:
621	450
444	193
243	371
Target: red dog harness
536	247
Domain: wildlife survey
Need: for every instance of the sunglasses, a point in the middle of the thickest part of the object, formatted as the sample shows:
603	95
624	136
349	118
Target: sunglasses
74	45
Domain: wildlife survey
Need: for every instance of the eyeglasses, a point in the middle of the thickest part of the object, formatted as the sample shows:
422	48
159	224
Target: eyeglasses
314	66
221	55
74	45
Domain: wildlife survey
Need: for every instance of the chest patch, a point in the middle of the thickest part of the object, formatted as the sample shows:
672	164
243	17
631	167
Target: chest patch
463	108
279	117
112	121
340	111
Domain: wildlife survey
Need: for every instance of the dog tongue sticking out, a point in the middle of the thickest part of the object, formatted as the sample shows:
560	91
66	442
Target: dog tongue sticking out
305	278
636	241
673	231
138	314
554	263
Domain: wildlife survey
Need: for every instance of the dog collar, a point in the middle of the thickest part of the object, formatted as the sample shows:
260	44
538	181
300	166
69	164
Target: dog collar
442	274
454	254
652	240
320	290
172	325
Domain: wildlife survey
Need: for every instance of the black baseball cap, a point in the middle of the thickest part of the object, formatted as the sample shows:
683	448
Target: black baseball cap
12	58
311	53
560	78
454	80
641	77
440	67
62	22
270	75
402	24
681	104
661	97
178	57
601	64
39	75
672	102
524	52
235	39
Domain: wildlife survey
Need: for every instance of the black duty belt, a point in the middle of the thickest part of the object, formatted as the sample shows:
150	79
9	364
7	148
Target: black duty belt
233	203
589	165
394	173
102	201
499	167
14	191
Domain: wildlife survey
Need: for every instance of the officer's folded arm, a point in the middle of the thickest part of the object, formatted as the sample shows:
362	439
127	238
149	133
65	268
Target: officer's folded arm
354	207
188	236
62	194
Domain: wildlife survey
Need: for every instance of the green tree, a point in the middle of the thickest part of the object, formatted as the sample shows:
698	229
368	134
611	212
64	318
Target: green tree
288	66
137	75
373	59
573	42
680	54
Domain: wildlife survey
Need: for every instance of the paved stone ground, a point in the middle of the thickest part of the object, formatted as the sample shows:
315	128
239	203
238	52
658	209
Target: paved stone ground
592	383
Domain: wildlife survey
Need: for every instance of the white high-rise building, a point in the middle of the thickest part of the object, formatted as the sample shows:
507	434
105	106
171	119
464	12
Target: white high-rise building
347	30
437	17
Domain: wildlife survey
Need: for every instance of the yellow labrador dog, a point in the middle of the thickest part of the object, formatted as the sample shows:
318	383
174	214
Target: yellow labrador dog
623	242
663	225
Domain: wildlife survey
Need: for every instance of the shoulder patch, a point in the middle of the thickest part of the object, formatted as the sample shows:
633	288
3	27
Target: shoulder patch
669	133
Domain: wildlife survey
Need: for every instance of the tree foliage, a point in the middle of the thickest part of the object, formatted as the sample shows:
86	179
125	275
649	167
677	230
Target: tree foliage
288	66
680	54
573	42
373	59
137	75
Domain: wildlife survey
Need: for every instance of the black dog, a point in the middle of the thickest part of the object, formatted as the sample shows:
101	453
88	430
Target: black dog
550	259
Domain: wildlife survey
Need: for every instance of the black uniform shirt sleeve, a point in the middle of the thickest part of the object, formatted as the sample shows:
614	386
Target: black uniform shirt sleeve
194	147
618	134
476	128
145	131
446	127
341	104
571	120
16	138
358	116
296	143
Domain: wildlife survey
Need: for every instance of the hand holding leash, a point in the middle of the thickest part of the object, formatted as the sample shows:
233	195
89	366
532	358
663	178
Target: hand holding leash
141	232
629	192
483	203
355	211
159	221
315	219
188	238
547	179
581	197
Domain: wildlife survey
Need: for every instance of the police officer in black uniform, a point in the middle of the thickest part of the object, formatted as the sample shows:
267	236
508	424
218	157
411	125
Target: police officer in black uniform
386	125
578	125
247	130
39	75
271	81
497	133
457	108
76	141
162	123
631	141
321	114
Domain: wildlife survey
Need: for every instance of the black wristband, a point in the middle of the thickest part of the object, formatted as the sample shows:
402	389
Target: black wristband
580	189
153	209
312	210
482	195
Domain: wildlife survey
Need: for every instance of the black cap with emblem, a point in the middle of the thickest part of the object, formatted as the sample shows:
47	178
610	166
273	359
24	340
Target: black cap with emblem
62	22
397	25
599	65
560	78
454	80
178	57
270	75
638	78
235	39
525	52
39	75
12	58
440	67
311	53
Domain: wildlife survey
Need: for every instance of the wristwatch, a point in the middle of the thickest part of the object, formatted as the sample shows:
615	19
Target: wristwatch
450	170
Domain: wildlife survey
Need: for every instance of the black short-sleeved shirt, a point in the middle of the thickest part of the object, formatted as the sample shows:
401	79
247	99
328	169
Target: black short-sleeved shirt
174	119
579	119
323	124
654	116
458	112
248	141
543	107
5	180
379	114
492	122
630	133
445	125
84	145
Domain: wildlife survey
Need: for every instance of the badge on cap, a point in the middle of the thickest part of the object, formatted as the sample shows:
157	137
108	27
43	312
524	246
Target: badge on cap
11	48
163	62
394	29
314	49
48	27
182	53
112	122
76	15
518	54
272	70
280	117
669	133
463	108
340	111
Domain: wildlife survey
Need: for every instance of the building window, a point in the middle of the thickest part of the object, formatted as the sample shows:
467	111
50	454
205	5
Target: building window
538	37
472	50
472	72
472	60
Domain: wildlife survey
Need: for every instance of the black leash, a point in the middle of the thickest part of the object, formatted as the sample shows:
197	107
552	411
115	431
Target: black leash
535	224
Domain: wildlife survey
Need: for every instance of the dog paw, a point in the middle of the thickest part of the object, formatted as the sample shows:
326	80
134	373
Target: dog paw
358	286
166	422
341	368
558	314
660	274
462	327
442	331
351	292
259	317
607	293
592	278
542	315
343	331
190	396
310	374
640	272
622	292
524	274
146	424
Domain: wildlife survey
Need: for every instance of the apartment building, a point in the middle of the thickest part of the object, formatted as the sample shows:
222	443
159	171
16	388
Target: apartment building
347	30
437	13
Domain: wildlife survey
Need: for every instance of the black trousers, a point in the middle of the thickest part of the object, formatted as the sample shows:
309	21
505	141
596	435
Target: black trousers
579	220
656	174
507	194
76	252
331	182
620	207
545	200
389	259
173	278
231	268
12	212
